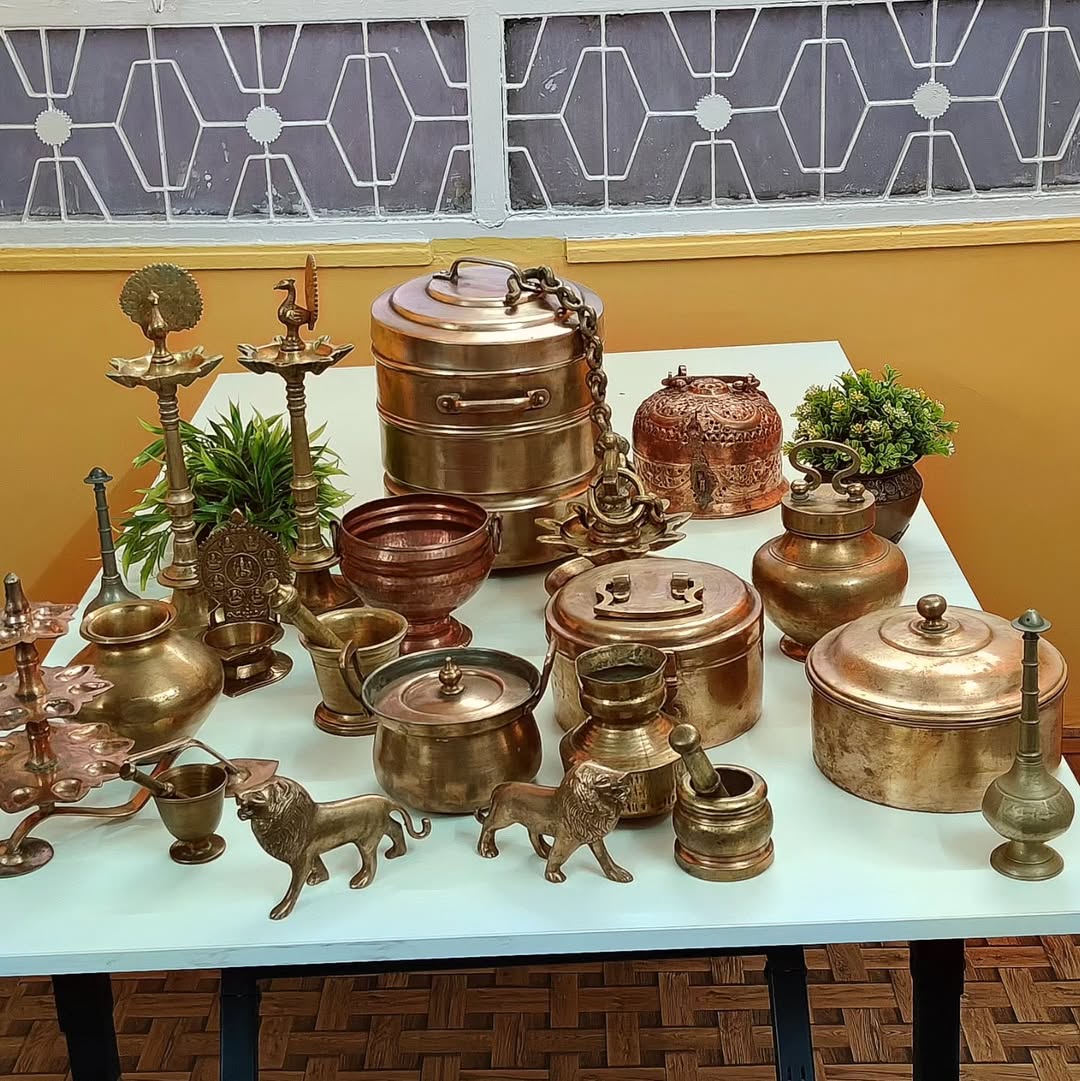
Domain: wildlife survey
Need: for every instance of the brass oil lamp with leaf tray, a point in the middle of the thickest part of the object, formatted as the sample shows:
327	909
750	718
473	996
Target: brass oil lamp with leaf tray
163	298
294	359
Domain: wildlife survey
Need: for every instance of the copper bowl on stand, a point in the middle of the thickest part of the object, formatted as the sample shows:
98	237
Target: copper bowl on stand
422	556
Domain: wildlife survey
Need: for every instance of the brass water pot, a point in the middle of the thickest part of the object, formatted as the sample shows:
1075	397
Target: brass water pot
623	689
828	567
723	819
164	684
370	637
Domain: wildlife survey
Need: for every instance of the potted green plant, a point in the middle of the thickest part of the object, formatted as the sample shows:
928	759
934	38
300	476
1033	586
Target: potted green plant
234	462
891	426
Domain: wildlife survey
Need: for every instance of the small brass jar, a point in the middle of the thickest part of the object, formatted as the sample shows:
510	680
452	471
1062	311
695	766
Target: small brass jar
829	567
623	689
723	819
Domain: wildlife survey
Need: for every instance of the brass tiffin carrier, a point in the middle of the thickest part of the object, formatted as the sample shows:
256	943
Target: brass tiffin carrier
707	619
453	724
483	392
710	445
723	819
828	567
1028	805
624	690
917	707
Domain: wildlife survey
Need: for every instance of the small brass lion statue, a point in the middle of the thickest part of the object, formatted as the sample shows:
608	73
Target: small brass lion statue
583	810
293	828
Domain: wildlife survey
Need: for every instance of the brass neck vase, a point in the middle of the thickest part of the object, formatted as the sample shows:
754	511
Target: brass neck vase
1028	805
293	358
113	590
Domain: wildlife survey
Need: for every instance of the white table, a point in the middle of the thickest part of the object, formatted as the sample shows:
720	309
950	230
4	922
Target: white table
845	870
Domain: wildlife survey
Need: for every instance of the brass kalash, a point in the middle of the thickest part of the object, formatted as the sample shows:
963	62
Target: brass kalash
294	360
162	298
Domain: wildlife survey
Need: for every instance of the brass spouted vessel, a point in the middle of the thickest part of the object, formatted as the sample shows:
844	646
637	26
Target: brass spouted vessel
723	819
1028	805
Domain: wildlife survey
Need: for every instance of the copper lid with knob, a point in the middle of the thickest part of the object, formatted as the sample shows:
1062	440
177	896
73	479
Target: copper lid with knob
710	444
930	664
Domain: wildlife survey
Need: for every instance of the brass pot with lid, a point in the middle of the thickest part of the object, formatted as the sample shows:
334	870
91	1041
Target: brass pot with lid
710	445
452	724
708	619
828	567
482	393
918	707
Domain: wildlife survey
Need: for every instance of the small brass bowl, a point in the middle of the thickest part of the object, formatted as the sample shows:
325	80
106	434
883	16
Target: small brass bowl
247	653
193	812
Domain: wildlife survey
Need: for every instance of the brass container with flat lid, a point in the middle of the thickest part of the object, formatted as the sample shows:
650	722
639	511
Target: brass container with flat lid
710	445
452	724
482	393
918	707
708	620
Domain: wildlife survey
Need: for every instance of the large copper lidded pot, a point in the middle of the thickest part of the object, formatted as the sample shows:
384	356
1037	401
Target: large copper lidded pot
918	707
710	445
482	393
828	566
708	620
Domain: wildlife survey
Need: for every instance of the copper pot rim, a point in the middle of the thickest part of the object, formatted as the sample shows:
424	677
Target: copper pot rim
931	722
379	508
167	619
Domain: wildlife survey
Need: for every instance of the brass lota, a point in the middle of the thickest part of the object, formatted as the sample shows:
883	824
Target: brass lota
828	567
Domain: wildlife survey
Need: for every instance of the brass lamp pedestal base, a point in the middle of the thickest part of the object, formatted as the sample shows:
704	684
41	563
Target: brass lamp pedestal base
1028	861
28	856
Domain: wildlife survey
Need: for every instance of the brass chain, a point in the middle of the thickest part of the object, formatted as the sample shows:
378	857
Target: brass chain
542	281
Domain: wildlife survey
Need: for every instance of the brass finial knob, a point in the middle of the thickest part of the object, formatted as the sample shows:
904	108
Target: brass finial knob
97	475
1031	622
450	678
932	609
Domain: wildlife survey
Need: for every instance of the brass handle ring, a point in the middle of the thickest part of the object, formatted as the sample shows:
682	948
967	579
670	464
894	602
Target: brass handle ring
853	491
453	273
531	399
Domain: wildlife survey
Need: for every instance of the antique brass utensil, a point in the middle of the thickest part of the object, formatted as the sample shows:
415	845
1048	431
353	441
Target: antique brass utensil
828	567
1028	805
723	819
161	299
190	804
113	588
294	359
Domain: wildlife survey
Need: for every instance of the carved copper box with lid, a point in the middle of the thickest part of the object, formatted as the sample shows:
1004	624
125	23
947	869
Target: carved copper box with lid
710	444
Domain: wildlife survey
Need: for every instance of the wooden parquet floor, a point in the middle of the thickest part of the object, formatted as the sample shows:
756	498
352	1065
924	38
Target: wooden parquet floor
678	1020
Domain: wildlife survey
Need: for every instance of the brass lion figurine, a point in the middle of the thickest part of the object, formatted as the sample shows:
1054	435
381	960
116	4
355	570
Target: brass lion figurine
293	828
583	810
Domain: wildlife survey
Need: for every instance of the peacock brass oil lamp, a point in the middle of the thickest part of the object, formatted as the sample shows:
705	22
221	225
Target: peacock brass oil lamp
294	359
163	298
1028	805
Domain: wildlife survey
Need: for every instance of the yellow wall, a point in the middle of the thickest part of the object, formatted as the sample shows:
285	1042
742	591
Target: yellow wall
989	329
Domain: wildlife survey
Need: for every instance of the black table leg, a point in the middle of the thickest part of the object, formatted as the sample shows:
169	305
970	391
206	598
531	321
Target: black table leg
239	1025
937	979
785	968
84	1008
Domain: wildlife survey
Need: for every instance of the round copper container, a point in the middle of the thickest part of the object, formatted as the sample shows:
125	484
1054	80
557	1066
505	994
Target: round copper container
918	707
711	445
706	618
484	400
452	725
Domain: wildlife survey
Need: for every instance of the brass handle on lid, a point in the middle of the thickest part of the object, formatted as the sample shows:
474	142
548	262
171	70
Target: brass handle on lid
454	272
801	489
450	678
932	609
531	399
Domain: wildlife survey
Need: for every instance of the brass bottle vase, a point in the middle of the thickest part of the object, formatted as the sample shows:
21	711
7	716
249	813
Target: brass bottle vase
1028	805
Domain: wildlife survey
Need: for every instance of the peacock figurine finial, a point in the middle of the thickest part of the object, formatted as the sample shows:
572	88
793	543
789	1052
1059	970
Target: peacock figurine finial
292	315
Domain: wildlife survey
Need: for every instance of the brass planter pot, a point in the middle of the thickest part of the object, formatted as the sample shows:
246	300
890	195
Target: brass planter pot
484	398
164	684
917	708
453	724
708	618
828	567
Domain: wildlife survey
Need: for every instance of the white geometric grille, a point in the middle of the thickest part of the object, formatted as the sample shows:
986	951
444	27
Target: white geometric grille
318	121
816	102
